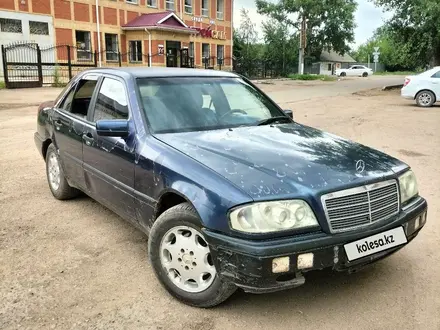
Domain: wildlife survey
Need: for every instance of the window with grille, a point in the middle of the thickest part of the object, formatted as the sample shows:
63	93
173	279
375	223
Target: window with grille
205	8
169	4
40	28
111	47
188	6
83	45
10	25
220	9
220	54
135	51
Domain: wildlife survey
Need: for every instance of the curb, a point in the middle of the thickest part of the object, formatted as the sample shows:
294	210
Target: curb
390	87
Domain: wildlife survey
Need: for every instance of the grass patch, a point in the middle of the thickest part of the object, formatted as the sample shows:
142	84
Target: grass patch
2	85
311	77
396	73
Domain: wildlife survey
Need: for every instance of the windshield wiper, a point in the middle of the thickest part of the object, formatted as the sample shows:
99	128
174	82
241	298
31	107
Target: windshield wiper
272	120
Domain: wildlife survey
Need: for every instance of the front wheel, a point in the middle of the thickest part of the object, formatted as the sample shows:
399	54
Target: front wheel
365	74
182	260
343	74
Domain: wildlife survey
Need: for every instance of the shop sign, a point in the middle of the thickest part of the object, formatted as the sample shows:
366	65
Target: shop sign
208	33
160	49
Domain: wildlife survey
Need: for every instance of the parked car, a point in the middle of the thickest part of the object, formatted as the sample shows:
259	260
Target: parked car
354	70
424	88
232	192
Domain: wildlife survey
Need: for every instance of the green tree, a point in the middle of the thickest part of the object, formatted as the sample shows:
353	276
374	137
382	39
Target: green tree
281	47
395	54
415	28
330	23
248	51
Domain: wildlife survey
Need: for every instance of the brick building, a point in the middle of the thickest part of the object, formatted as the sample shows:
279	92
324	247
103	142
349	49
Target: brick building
135	32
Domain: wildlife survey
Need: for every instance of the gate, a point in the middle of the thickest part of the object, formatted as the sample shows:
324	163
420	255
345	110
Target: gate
22	65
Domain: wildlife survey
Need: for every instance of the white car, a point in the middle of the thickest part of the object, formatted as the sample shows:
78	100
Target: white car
424	87
354	70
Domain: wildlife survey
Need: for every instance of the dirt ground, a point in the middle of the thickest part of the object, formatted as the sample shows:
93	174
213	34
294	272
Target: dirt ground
76	265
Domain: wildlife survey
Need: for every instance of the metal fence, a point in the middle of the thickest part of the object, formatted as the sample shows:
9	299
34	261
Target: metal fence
28	64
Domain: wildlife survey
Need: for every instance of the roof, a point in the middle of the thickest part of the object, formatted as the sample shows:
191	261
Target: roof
160	21
158	72
332	56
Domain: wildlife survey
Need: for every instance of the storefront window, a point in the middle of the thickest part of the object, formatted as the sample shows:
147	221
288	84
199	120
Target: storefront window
111	47
83	51
135	50
188	6
205	8
170	5
220	6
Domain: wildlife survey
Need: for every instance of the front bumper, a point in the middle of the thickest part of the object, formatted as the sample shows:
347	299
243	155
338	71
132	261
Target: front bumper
248	263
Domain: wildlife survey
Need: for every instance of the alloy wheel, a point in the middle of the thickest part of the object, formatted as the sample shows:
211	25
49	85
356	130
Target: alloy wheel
53	169
186	258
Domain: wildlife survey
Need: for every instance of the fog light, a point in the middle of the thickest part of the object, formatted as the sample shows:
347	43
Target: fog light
281	265
417	223
424	216
305	261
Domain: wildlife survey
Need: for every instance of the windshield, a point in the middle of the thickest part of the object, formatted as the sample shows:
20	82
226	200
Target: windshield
183	104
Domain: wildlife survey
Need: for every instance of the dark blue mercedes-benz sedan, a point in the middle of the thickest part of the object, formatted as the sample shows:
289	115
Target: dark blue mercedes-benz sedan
232	192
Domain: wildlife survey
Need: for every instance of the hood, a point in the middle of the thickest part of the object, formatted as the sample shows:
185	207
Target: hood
284	160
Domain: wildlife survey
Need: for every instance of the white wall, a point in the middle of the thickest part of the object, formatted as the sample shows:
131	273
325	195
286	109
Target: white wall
43	40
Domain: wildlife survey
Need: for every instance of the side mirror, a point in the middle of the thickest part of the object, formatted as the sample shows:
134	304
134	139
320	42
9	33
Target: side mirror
116	127
289	113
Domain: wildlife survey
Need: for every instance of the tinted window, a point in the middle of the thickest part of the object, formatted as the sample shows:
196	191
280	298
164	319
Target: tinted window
112	101
436	75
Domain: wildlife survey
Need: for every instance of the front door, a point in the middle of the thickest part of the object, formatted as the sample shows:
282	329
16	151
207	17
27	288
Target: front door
184	58
172	48
109	161
69	120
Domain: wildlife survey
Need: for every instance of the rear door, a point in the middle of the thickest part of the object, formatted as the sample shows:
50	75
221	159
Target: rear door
109	161
68	119
435	84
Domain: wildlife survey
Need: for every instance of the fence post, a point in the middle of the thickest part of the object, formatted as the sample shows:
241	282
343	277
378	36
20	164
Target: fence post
39	66
119	59
5	66
95	58
69	62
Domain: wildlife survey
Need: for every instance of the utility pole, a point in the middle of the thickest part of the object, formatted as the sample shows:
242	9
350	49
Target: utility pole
302	44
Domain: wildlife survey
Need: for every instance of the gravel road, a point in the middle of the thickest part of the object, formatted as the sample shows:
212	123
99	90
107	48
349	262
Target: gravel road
76	265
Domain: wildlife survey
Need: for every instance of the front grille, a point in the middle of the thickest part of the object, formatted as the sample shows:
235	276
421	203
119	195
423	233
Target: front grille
361	206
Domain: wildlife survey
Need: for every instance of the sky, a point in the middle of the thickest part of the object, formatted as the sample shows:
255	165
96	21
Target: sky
367	17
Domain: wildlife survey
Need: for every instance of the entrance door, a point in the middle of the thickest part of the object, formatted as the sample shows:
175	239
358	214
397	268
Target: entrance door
172	50
184	58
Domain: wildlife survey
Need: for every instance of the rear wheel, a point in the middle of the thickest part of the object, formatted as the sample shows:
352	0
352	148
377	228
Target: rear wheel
425	99
182	261
365	74
55	176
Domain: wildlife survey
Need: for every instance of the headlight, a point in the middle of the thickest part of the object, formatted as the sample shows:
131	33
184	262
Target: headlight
408	186
273	216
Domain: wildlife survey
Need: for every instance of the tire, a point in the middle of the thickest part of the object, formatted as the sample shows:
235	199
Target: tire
425	99
365	74
59	187
183	222
343	74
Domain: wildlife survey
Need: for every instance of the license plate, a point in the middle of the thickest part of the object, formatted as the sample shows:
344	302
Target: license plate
376	243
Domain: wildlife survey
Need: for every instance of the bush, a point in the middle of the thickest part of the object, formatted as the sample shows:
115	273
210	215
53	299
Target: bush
2	84
311	77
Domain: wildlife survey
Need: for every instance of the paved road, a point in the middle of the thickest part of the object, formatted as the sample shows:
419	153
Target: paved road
293	91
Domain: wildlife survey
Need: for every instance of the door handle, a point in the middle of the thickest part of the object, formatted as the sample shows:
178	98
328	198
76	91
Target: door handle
88	138
57	123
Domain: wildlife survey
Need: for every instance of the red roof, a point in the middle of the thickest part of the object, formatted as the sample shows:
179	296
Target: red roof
160	20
